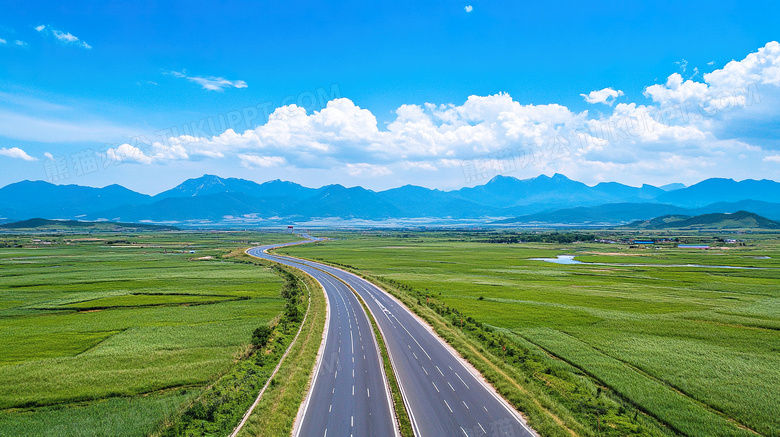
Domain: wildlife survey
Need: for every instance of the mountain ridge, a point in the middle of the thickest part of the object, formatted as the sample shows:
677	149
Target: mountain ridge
542	199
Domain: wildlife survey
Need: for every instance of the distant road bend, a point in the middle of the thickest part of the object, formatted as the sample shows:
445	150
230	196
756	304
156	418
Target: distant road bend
445	396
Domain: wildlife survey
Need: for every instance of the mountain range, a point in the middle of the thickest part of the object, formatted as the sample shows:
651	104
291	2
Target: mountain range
503	200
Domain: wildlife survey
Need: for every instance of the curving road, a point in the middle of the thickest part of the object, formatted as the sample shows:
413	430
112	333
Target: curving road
445	396
349	394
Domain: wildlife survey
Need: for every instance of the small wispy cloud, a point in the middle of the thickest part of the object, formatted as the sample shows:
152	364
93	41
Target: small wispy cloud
210	83
255	161
683	65
772	158
606	96
469	8
63	37
15	152
18	43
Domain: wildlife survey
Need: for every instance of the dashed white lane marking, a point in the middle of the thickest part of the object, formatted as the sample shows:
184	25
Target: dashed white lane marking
483	429
448	405
461	380
466	405
426	372
368	392
330	408
464	431
434	386
437	368
453	388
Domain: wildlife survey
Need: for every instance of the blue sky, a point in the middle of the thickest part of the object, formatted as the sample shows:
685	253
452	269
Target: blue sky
394	93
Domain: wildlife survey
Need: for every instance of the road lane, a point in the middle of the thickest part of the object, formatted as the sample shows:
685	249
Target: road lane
445	396
349	394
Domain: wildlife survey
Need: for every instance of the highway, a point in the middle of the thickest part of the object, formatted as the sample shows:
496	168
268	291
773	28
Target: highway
349	394
445	396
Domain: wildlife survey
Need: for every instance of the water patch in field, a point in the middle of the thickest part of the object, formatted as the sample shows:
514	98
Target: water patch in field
569	259
561	259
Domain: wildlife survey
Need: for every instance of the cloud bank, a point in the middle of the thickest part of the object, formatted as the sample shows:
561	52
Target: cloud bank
686	129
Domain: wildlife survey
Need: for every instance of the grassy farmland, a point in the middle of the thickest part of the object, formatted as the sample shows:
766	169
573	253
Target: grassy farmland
645	349
113	335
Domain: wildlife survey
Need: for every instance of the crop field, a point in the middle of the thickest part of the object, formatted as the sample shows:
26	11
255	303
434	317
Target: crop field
696	350
112	335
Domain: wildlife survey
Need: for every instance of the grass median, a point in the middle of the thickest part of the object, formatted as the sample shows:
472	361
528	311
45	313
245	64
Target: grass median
276	411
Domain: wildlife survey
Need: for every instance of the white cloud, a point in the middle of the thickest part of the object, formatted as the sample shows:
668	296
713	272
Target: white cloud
2	41
48	156
761	67
606	96
469	8
211	83
683	65
15	152
20	43
63	37
255	161
772	158
667	136
128	153
365	169
421	165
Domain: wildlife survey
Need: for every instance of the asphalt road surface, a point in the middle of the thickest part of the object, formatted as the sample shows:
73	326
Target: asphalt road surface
444	395
349	395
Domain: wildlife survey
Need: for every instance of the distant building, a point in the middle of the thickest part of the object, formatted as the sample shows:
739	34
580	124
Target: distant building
692	246
643	242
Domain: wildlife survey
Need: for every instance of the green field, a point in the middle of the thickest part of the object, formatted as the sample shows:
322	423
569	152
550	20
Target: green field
112	335
624	350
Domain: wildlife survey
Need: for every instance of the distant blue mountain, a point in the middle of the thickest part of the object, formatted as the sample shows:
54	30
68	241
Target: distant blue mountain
347	203
723	190
31	199
210	184
672	187
556	199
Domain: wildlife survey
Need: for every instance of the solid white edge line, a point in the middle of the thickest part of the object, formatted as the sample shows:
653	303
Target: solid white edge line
468	367
278	365
296	431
